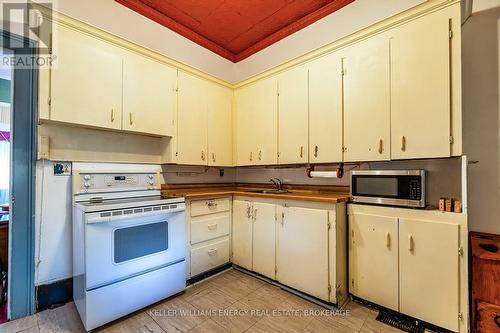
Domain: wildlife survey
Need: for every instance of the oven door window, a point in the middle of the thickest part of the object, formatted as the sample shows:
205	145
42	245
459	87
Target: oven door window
139	241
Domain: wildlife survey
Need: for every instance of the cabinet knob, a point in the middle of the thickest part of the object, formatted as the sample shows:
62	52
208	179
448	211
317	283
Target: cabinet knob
381	146
403	143
316	149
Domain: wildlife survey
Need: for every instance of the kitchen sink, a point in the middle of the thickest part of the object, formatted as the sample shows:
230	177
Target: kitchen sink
270	191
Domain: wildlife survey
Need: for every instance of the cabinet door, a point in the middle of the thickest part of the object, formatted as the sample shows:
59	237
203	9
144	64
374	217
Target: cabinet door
429	272
86	84
325	109
242	233
367	100
293	116
420	89
373	259
149	96
220	126
192	120
257	123
303	250
264	239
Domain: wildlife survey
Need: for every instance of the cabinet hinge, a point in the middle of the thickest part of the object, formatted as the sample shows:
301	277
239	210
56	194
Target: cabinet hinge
49	101
344	149
283	216
275	269
278	154
329	225
51	43
177	89
460	251
176	154
450	34
460	316
451	139
352	282
344	71
329	289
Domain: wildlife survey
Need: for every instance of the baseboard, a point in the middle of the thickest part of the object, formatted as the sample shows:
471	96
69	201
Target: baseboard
54	294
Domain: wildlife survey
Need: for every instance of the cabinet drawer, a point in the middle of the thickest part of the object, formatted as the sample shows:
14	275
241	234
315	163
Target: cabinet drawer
210	206
208	227
209	256
488	317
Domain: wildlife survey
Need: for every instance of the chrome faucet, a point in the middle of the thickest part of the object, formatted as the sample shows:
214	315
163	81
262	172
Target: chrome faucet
278	183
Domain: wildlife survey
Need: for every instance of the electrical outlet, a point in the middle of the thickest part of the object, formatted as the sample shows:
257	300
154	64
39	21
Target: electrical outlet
62	169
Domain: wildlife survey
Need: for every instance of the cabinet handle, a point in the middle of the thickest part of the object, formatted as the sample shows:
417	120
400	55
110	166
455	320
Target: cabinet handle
112	115
316	148
251	156
410	243
260	155
380	146
403	143
212	252
212	227
301	151
213	157
212	204
131	120
254	214
388	239
202	155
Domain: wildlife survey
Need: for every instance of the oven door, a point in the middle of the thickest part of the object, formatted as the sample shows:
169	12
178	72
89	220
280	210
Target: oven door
121	247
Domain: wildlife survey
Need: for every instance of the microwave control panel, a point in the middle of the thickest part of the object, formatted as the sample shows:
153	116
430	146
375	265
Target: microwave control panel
415	189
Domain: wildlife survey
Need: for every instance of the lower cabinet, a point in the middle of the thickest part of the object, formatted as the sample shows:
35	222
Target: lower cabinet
299	244
303	250
264	239
209	230
373	259
410	261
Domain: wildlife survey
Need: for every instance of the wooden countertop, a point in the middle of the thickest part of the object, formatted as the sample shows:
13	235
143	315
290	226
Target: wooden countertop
329	194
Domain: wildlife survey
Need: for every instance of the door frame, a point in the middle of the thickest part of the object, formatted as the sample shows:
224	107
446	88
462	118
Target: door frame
21	275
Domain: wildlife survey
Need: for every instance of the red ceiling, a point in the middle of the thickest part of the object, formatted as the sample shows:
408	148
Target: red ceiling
235	29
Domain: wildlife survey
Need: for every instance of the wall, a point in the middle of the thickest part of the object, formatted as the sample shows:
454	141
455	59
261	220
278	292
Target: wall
481	75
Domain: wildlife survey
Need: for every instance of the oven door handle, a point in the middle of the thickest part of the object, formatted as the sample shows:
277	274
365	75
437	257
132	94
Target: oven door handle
109	219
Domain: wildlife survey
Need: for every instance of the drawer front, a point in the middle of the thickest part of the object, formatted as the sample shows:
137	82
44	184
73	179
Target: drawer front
488	317
208	227
206	257
210	206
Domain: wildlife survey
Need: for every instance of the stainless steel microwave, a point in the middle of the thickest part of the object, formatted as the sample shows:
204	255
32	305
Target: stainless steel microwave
389	187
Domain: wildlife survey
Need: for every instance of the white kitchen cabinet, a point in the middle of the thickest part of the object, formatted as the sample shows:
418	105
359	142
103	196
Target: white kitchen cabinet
429	271
325	109
420	87
422	272
208	234
367	116
86	81
293	116
373	259
302	254
149	95
257	123
242	233
192	120
220	125
264	239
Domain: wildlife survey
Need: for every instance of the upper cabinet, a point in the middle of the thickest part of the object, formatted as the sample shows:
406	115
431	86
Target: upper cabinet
367	109
293	116
220	125
149	95
192	120
325	109
86	83
420	87
257	123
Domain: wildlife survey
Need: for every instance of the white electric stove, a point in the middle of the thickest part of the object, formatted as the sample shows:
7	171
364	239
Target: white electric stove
129	245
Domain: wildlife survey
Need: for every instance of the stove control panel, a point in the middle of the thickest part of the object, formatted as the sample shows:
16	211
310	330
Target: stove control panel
99	182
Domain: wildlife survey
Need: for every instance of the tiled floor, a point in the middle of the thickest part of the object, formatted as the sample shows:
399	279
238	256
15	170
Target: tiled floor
230	302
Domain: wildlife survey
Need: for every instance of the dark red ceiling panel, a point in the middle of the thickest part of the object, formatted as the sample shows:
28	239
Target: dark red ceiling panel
235	29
